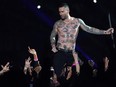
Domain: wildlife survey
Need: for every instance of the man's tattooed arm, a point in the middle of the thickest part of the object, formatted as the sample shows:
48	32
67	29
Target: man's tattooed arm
53	35
90	29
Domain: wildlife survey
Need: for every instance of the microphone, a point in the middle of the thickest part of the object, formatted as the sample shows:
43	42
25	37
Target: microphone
110	24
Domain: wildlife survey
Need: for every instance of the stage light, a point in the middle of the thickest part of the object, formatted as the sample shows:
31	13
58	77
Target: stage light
95	1
39	6
51	68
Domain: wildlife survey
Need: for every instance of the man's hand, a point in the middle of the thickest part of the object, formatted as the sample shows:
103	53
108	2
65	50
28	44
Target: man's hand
54	49
109	31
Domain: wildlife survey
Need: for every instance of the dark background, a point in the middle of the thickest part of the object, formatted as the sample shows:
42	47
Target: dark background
23	25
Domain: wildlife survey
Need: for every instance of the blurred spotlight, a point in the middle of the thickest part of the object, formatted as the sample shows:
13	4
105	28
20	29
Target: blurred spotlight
39	6
95	1
51	68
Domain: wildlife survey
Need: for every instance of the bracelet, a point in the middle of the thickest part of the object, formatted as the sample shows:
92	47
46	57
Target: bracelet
35	59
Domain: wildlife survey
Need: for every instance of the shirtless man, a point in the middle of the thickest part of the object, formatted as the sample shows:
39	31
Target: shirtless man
67	29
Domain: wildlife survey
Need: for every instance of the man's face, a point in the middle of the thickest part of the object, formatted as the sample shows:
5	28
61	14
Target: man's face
63	12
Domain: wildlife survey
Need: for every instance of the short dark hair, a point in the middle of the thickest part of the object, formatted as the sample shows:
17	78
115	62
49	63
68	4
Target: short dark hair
64	5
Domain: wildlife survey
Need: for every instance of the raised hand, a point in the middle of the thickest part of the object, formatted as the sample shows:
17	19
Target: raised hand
28	62
106	63
5	68
32	51
28	66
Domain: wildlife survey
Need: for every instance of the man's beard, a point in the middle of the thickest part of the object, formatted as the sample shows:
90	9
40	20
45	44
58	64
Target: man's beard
64	17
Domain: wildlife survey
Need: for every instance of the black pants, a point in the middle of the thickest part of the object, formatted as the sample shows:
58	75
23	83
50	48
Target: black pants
61	58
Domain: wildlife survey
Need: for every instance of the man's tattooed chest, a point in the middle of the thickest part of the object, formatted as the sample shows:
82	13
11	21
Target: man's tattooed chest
68	30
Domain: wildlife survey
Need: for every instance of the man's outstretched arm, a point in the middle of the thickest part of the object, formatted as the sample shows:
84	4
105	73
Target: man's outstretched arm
94	30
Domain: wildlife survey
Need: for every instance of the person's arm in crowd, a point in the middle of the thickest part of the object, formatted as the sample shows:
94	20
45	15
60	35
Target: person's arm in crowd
76	61
106	63
27	66
37	67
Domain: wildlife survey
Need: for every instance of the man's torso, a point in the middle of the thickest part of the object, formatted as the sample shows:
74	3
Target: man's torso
67	34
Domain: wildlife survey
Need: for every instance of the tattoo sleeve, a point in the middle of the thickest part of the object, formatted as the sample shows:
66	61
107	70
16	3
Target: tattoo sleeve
90	29
53	35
